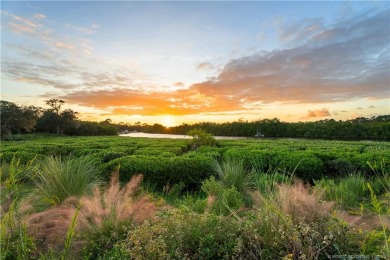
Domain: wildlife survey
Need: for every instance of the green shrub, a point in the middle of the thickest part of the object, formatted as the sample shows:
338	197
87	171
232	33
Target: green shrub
102	241
304	164
191	203
111	155
162	171
201	138
339	167
179	235
222	200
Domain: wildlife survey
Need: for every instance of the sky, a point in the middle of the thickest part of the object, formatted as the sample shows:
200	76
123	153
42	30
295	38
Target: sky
174	62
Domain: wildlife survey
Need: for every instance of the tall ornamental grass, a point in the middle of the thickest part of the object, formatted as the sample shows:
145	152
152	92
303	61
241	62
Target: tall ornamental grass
61	177
232	173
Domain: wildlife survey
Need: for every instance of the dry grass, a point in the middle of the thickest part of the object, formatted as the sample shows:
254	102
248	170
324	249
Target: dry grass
301	204
210	201
114	204
367	222
297	201
49	227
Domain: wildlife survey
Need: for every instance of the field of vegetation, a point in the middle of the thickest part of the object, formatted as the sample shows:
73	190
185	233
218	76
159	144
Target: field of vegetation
139	198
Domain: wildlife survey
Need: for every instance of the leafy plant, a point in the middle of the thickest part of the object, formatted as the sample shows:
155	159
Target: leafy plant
201	138
378	210
180	235
222	200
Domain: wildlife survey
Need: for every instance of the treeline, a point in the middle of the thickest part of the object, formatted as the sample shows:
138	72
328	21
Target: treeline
28	119
374	128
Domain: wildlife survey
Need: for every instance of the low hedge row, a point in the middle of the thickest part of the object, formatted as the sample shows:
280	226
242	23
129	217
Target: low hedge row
304	165
309	165
162	171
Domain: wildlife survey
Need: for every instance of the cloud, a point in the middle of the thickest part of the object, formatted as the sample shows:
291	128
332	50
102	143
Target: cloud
322	64
205	66
84	30
38	27
21	25
298	32
318	113
337	67
326	68
62	45
59	61
123	101
39	16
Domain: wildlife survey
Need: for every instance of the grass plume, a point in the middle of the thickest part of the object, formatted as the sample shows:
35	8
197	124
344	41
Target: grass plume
113	205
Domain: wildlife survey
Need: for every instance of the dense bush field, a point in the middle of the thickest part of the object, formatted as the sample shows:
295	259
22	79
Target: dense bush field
134	198
170	161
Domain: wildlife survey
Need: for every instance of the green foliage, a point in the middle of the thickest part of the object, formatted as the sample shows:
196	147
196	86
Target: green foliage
164	170
201	138
384	234
271	236
58	178
191	203
14	178
232	173
179	235
266	183
340	167
101	242
348	191
15	243
222	200
304	164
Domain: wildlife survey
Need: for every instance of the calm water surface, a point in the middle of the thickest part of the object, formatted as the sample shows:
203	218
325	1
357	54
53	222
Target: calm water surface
146	135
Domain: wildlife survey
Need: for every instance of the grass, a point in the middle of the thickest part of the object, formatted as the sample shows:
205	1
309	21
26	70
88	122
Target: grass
348	192
58	178
56	228
232	173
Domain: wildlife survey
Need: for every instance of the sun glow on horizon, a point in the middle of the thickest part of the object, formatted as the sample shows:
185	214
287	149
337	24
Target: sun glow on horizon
168	121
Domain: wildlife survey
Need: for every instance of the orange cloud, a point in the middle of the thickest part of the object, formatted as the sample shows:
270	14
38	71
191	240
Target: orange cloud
125	101
318	113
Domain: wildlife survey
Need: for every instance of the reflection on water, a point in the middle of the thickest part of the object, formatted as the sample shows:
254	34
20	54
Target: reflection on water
146	135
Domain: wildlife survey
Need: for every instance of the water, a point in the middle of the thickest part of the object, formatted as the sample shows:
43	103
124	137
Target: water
146	135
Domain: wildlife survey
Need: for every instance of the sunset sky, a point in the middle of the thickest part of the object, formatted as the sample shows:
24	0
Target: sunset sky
176	62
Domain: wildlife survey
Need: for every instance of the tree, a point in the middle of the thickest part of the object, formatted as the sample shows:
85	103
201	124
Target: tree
55	121
29	118
10	114
55	105
15	119
53	114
